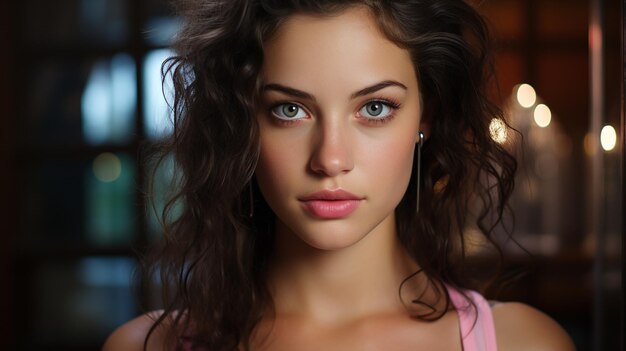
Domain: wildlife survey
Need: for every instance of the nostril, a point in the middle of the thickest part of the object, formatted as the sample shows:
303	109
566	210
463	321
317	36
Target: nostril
332	149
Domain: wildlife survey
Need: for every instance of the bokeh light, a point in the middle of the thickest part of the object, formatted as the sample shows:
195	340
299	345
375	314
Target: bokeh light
107	167
542	115
498	130
526	95
590	144
608	138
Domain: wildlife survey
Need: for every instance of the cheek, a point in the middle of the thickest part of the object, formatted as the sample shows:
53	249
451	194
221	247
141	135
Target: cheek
278	164
390	154
274	161
390	165
395	158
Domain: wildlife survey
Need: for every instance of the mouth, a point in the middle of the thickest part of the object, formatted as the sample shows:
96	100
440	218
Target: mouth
329	204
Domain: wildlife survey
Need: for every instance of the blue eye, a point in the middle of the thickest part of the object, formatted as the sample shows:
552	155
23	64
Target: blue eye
375	110
288	111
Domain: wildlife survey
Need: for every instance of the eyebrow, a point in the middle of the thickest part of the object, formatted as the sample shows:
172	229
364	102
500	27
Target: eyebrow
304	95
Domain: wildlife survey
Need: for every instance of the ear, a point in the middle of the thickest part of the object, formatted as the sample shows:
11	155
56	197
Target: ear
425	127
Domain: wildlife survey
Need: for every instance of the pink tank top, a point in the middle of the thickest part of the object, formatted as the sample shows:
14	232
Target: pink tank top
474	337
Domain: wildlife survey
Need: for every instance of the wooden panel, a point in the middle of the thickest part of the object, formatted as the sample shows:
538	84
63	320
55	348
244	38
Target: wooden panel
510	71
563	82
562	19
506	18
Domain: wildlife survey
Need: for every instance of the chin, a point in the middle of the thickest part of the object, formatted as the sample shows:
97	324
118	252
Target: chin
334	243
331	236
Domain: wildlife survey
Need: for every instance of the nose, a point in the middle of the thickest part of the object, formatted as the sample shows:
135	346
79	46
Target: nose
332	152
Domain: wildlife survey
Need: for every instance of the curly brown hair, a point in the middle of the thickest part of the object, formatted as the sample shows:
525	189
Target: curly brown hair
213	258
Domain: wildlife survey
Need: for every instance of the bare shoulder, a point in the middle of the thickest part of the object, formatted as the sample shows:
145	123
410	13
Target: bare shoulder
130	336
522	327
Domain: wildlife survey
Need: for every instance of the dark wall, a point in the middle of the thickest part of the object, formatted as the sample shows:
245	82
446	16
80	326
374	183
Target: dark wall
8	196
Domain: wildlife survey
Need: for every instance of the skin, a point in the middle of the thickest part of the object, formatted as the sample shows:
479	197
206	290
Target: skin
323	269
335	281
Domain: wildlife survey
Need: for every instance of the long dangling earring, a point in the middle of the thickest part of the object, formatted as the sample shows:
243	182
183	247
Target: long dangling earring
251	199
419	168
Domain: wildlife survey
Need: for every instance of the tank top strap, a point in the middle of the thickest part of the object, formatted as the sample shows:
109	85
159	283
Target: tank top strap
475	324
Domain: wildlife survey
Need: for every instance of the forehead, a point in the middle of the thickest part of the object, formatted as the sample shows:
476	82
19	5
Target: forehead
345	46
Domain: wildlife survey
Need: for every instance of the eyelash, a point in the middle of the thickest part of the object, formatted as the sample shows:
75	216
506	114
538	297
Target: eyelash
391	103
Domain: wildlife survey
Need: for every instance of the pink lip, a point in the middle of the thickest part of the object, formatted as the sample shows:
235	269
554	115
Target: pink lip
331	204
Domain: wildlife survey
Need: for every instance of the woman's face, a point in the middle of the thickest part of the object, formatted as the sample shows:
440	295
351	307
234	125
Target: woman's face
341	110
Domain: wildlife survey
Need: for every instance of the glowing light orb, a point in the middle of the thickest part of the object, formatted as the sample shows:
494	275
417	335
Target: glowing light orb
608	138
542	115
498	131
526	95
107	167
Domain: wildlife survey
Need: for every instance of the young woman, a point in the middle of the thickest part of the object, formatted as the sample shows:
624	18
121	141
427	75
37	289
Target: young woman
332	154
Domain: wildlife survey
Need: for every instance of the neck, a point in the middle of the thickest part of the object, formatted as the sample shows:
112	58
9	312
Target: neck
343	285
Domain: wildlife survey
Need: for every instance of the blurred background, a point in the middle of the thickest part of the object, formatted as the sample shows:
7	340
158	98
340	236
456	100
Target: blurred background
80	91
